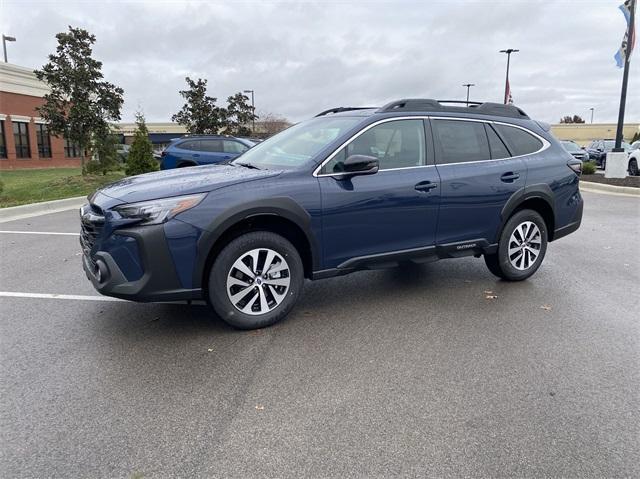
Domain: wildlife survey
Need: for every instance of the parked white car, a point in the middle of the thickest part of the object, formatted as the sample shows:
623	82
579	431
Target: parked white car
634	161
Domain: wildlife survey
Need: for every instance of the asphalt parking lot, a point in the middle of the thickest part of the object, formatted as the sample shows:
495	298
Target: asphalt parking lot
439	370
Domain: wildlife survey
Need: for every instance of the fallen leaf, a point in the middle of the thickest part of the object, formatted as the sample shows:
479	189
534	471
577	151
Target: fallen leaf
545	307
259	407
488	292
210	350
491	296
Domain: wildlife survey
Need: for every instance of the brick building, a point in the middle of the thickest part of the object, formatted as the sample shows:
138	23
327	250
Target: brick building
24	139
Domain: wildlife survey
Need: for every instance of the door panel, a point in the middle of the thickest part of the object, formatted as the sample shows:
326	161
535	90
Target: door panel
394	209
474	187
378	213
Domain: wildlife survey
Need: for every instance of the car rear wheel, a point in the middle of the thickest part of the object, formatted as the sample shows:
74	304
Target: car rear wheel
633	167
255	280
522	246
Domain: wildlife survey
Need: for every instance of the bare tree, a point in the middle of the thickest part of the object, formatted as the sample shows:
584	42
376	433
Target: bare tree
271	123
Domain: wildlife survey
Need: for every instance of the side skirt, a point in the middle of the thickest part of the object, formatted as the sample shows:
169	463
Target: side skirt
393	259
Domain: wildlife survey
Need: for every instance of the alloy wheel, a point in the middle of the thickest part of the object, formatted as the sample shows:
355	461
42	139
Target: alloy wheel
524	245
258	281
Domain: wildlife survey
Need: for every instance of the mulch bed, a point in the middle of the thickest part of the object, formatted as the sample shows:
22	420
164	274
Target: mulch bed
633	181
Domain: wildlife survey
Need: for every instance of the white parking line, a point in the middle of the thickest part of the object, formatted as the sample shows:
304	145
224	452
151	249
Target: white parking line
39	233
78	297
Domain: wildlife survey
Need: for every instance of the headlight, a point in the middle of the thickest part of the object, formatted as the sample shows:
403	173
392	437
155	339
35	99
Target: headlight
158	211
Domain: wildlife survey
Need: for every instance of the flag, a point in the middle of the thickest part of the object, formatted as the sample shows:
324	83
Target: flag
621	54
508	99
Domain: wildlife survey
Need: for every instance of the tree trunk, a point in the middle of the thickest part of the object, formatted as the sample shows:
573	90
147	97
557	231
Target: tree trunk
84	169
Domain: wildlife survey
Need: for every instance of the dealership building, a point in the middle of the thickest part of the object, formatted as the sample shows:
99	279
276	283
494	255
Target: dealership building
25	141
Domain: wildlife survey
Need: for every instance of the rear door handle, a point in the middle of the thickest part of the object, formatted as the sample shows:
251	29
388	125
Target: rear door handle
196	155
425	186
509	177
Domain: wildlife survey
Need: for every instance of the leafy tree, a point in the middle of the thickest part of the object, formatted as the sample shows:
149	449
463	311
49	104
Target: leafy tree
80	102
141	158
200	114
571	119
240	115
105	153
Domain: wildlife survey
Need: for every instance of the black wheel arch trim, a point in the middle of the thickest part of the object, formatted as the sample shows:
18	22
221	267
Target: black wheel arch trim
537	191
283	207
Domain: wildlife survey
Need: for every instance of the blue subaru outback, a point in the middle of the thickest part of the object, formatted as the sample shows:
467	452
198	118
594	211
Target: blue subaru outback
203	150
351	189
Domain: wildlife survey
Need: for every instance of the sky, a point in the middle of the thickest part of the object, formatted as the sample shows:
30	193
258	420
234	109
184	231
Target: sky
303	57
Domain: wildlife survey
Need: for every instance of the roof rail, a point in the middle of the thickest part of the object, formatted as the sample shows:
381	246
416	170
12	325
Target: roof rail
345	108
425	104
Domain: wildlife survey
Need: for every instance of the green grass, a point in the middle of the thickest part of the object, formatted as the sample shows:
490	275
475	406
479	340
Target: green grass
35	185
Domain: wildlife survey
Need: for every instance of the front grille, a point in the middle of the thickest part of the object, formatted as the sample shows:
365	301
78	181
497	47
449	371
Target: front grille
91	223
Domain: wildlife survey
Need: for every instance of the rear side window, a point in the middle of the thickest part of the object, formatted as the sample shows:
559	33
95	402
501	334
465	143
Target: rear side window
460	141
231	146
519	141
498	150
211	145
189	145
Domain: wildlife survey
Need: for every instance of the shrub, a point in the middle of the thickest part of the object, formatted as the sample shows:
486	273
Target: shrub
588	167
1	186
105	154
140	158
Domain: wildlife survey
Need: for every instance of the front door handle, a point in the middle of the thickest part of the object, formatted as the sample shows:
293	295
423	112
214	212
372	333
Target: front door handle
196	155
425	186
510	177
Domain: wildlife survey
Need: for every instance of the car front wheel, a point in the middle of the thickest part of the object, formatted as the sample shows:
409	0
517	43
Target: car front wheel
633	167
522	246
255	280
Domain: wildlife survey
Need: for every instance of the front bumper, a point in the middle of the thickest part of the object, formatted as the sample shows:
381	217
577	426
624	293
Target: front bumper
159	280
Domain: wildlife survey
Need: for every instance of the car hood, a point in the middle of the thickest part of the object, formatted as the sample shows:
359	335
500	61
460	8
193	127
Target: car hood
181	181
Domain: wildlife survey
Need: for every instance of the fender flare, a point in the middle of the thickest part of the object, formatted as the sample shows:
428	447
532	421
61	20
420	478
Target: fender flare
283	207
537	191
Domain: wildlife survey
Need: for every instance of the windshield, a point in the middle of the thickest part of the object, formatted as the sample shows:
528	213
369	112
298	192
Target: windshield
570	146
609	144
294	146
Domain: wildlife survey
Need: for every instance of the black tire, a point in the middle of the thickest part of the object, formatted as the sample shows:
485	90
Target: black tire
222	266
500	264
633	167
185	164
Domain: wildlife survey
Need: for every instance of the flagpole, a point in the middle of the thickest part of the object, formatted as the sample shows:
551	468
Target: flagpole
508	51
625	78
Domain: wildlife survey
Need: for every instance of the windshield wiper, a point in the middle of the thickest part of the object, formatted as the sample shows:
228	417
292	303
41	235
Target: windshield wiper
246	165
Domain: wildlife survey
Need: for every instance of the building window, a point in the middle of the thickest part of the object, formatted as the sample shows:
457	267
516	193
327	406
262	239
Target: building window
3	142
71	150
44	141
21	139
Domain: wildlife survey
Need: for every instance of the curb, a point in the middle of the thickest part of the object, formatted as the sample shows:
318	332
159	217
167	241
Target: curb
600	188
36	209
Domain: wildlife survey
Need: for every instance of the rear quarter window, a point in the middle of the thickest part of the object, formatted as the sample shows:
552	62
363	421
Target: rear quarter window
189	145
519	141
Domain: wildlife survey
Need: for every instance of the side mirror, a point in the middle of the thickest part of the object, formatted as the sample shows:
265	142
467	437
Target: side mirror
360	165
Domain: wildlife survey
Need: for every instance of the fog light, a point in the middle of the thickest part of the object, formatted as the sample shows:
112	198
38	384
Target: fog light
102	273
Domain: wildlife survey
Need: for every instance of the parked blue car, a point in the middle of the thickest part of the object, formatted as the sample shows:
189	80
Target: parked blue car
203	150
351	189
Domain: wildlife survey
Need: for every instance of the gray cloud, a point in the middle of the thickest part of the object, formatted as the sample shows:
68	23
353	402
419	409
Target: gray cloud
302	57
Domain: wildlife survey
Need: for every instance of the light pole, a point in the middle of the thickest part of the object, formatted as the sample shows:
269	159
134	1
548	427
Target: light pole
5	39
253	110
508	51
591	114
468	85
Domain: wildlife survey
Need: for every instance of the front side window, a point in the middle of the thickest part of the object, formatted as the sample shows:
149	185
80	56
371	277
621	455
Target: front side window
459	141
295	146
519	141
21	139
396	144
44	141
71	150
193	145
3	141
